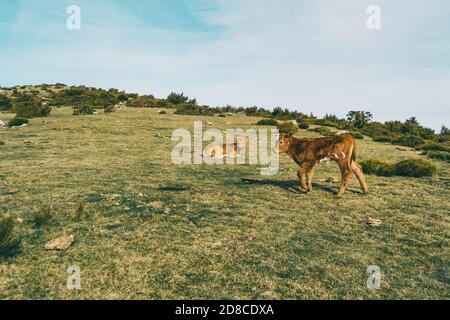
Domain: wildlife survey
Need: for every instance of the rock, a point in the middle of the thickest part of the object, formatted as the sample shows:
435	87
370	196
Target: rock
12	191
374	222
28	142
228	123
155	204
2	124
19	220
62	243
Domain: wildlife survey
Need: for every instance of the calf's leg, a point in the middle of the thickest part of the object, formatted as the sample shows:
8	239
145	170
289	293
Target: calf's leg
346	173
309	177
360	175
301	176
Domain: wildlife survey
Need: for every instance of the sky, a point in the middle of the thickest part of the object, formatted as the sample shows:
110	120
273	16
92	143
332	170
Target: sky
308	55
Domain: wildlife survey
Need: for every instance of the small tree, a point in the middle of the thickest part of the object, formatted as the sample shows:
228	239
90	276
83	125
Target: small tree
9	243
83	110
5	103
288	128
359	119
177	98
28	106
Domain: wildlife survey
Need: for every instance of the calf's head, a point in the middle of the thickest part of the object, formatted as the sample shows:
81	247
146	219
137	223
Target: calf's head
283	144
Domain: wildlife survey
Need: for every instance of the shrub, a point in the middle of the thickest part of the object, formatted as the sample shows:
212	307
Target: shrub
377	167
409	141
433	147
148	102
324	131
357	134
195	110
17	122
2	143
303	125
414	168
28	106
388	139
267	122
323	122
177	98
9	243
438	155
287	128
42	216
222	115
83	110
110	109
5	103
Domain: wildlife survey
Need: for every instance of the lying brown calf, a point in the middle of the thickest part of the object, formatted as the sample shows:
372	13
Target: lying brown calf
307	152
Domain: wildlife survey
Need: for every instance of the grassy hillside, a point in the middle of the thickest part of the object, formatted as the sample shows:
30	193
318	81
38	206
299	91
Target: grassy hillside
151	230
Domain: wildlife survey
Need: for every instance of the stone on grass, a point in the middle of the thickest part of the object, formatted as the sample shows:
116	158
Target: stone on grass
61	243
155	204
374	222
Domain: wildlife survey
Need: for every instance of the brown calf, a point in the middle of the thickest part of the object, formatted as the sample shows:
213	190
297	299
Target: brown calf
307	152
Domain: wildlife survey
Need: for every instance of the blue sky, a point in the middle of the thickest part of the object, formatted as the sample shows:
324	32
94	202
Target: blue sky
312	55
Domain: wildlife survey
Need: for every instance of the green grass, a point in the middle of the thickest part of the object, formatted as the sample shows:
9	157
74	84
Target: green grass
222	231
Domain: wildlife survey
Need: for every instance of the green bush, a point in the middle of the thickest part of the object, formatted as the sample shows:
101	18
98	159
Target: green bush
5	103
303	125
323	122
196	110
267	122
177	98
388	139
433	147
42	216
148	102
324	131
376	167
2	143
287	128
406	168
357	135
414	168
9	243
409	141
83	110
438	155
28	106
17	122
110	109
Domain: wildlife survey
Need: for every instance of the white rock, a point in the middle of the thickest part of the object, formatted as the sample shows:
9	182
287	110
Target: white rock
2	124
62	243
374	222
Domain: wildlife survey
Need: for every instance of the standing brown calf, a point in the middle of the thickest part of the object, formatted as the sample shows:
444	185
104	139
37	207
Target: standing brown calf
308	152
